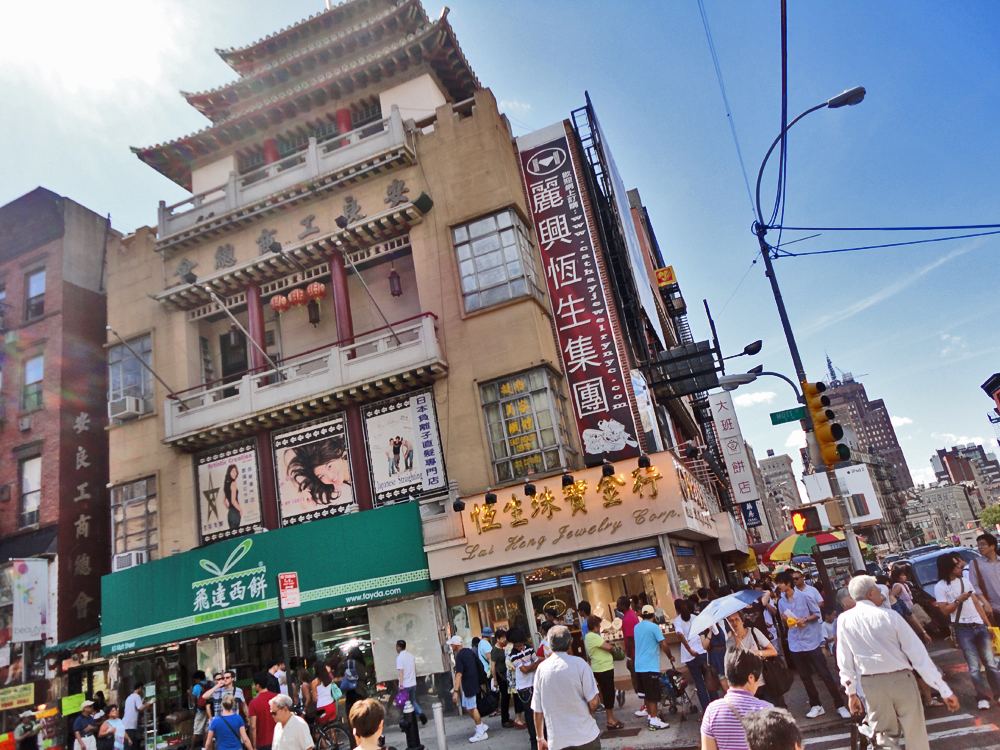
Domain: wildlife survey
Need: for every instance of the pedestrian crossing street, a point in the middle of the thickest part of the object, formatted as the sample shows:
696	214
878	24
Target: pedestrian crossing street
961	731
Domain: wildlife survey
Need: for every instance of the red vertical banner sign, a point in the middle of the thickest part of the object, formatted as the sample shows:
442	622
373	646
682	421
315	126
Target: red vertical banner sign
586	339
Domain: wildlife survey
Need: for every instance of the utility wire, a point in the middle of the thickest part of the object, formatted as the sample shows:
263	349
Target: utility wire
887	229
725	101
752	264
891	244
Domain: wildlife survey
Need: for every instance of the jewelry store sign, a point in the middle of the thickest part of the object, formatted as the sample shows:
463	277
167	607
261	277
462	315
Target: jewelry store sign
594	510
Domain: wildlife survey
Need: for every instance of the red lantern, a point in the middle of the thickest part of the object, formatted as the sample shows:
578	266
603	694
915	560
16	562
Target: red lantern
279	303
298	298
316	290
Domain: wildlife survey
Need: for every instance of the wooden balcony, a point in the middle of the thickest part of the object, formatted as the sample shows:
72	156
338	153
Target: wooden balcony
375	365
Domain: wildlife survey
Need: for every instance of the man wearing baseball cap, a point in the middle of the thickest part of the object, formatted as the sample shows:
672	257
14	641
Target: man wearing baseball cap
648	644
26	733
467	684
84	727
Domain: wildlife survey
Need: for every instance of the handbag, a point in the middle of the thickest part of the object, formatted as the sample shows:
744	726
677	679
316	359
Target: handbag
952	638
335	692
777	677
618	654
712	682
920	614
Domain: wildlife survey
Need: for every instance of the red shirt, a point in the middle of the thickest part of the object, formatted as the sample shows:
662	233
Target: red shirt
629	621
260	709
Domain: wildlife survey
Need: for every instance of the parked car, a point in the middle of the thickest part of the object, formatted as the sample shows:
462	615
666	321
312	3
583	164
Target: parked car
924	578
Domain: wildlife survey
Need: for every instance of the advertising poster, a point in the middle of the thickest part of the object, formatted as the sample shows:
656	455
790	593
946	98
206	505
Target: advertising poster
458	616
313	471
30	585
228	492
582	317
404	450
413	621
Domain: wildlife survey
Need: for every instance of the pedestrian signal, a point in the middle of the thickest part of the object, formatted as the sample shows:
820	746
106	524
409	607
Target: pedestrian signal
805	520
828	432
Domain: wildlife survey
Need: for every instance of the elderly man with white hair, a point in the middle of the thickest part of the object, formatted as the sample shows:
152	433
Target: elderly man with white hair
878	648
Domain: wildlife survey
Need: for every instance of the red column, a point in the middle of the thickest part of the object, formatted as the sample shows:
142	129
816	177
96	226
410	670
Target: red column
344	123
255	312
341	298
268	491
270	151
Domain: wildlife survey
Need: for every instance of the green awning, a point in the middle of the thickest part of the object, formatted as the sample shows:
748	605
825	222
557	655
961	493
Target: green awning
349	560
87	639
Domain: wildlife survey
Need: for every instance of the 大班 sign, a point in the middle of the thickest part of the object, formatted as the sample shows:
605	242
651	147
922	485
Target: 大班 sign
734	450
593	368
228	492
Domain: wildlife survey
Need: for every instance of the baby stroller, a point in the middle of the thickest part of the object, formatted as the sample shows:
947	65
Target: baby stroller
676	693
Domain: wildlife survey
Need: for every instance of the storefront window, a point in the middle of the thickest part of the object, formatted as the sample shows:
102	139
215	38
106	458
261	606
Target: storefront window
505	612
691	568
544	575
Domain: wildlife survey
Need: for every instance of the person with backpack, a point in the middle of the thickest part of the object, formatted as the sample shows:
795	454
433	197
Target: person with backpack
228	728
200	695
467	685
353	678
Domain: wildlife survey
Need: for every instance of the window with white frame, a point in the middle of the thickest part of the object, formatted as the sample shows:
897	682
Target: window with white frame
31	397
526	421
30	470
496	260
35	297
126	374
134	523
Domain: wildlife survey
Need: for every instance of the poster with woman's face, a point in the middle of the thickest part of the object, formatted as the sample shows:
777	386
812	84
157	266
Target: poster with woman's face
391	447
313	471
459	616
228	492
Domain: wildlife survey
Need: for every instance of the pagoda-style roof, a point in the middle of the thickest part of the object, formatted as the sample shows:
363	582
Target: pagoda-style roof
271	76
326	74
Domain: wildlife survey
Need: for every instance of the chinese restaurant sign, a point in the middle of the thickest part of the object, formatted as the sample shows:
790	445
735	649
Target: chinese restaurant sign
734	450
404	452
233	583
594	511
586	340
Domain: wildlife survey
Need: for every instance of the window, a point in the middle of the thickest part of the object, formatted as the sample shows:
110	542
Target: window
31	490
127	376
495	260
133	517
3	308
526	420
35	306
32	395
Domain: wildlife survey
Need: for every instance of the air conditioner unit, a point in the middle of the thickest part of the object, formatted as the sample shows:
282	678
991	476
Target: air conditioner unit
128	560
10	337
128	407
24	423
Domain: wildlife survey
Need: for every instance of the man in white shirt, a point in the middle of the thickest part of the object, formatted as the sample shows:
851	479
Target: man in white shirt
130	717
406	669
877	648
290	731
799	580
565	698
957	601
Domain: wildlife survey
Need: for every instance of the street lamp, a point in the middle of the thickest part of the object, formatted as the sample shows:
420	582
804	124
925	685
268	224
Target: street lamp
749	350
732	382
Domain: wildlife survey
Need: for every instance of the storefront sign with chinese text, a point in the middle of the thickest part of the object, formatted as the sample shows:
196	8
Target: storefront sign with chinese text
593	369
594	510
17	696
734	450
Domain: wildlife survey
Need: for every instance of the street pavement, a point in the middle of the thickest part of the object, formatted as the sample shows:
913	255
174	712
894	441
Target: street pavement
963	730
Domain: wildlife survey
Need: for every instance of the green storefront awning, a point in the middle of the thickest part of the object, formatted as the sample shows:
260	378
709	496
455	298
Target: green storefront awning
87	639
345	561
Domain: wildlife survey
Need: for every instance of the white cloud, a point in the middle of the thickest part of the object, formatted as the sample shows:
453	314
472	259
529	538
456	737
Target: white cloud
515	105
797	439
951	344
952	439
900	421
752	399
923	476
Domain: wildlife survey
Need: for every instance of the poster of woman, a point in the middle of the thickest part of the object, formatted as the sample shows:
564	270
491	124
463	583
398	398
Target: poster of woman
313	469
389	429
228	492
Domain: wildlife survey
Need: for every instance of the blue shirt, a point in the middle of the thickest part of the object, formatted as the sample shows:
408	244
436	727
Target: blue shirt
800	607
647	646
583	627
227	731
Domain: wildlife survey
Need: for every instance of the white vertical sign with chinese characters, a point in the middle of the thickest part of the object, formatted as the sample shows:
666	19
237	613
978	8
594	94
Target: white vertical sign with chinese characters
734	451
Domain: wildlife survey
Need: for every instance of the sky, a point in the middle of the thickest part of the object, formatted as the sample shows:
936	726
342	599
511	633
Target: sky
85	81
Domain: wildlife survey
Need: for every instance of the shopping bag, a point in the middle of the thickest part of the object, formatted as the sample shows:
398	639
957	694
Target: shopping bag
995	637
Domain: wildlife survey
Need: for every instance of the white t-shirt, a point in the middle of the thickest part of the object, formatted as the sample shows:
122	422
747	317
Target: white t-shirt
684	628
295	735
948	593
813	594
132	705
408	663
282	681
828	631
523	657
563	686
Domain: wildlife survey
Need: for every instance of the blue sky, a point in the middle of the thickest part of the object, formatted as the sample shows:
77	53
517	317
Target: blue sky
920	150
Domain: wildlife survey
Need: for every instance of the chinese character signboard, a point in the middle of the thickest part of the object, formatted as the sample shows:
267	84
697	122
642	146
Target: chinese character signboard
751	515
228	492
593	369
404	451
15	697
734	451
313	471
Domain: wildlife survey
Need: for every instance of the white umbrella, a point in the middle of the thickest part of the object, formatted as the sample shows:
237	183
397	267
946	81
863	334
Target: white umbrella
719	609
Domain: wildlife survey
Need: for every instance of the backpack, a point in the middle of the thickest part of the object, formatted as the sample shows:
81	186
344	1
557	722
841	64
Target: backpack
481	672
202	701
350	680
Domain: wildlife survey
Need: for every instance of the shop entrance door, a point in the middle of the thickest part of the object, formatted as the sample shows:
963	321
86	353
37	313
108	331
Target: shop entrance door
560	596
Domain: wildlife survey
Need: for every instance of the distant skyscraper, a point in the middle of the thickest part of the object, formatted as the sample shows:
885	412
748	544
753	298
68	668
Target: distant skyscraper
870	422
780	490
969	464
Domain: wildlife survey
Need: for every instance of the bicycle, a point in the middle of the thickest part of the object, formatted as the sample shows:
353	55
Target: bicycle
331	735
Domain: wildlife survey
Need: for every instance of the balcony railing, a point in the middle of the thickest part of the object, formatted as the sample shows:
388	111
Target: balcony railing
411	346
338	154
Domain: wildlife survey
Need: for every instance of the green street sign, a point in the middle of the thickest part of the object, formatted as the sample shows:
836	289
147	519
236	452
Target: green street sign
788	415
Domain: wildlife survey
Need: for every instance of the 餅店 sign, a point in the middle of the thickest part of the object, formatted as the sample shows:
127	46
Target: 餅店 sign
593	512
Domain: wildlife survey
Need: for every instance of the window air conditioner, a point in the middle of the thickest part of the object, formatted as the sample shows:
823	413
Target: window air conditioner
128	560
128	407
24	423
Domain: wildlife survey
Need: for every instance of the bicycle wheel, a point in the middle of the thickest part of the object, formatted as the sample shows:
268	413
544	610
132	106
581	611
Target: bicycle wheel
340	739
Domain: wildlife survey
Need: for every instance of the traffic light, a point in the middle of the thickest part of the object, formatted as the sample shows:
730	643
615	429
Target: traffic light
805	520
827	431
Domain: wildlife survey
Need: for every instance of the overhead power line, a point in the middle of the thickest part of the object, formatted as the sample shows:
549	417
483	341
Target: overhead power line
891	244
887	229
